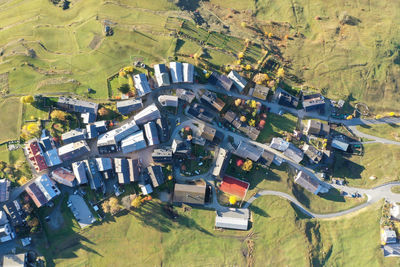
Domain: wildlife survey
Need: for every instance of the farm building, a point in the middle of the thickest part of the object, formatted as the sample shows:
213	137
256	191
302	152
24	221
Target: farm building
176	72
234	186
189	194
237	219
188	72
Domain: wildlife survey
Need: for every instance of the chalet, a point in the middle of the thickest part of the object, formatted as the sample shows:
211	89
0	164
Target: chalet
168	100
279	144
267	158
35	155
104	164
189	194
156	175
88	117
73	150
238	80
162	155
176	72
207	132
211	99
248	151
133	143
200	112
51	158
162	129
73	136
46	143
79	170
314	102
260	92
4	190
312	153
317	128
15	212
250	131
309	183
149	113
141	84
42	190
161	74
122	170
93	174
230	116
91	131
75	105
185	95
388	236
115	136
286	99
133	166
150	130
64	176
294	153
126	107
233	218
181	148
340	144
221	80
188	72
220	162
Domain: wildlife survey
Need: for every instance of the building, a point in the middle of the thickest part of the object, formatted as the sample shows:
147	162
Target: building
128	106
6	233
309	183
250	131
207	132
93	174
88	117
211	99
162	129
234	186
294	153
42	190
221	80
314	102
395	211
181	148
162	155
146	189
46	143
267	158
340	144
317	128
91	131
51	158
122	170
156	175
115	136
200	112
150	113
16	214
73	150
80	173
185	95
236	219
230	116
189	194
150	130
286	99
161	74
248	151
279	144
388	236
312	153
64	176
134	173
220	162
15	260
35	155
73	136
237	80
260	92
4	190
391	250
141	84
101	126
188	72
104	164
75	105
133	143
168	101
176	72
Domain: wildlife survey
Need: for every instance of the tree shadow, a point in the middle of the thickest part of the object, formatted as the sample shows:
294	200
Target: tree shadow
259	211
300	195
344	168
189	5
179	44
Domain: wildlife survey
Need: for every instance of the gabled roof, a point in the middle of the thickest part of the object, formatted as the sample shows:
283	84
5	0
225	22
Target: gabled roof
188	72
116	135
42	190
185	95
248	151
309	183
260	92
133	165
232	218
219	163
279	144
156	175
80	172
163	129
176	72
149	113
141	84
238	80
168	100
73	136
151	133
230	116
4	190
128	106
77	105
294	153
104	164
133	143
190	194
161	74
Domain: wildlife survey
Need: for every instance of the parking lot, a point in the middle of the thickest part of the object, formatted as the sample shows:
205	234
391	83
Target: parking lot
80	210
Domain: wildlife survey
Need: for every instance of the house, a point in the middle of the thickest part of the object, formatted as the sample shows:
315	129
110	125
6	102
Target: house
46	143
237	80
91	131
16	214
156	175
80	172
150	113
188	72
395	211
248	151
230	116
51	158
122	170
101	126
6	233
35	155
75	105
391	250
133	143
286	99
189	194
73	136
4	190
250	131
317	128
200	112
133	166
150	130
279	144
233	218
294	153
162	129
207	132
211	99
141	84
237	123
260	92
220	80
126	107
115	136
162	155
64	176
161	74
93	174
388	236
340	144
267	158
309	183
15	260
185	95
168	101
42	190
104	164
312	153
234	186
73	150
181	148
146	189
88	117
314	102
176	72
220	162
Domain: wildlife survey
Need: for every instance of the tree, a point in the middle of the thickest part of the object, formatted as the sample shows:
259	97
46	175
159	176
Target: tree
239	163
253	104
114	205
170	177
248	67
270	35
240	55
238	102
136	203
243	119
105	206
59	115
124	88
280	72
243	24
33	222
103	111
247	165
27	99
169	168
232	200
252	122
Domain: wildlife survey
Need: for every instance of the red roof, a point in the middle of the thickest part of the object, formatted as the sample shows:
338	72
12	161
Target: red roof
234	186
34	148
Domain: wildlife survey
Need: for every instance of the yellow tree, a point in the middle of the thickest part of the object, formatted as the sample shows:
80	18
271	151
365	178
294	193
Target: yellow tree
240	55
248	67
136	203
27	99
243	24
232	200
280	72
58	114
105	206
253	104
238	101
252	122
243	119
247	165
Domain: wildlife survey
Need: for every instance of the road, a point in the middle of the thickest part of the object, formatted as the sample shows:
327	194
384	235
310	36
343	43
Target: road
355	131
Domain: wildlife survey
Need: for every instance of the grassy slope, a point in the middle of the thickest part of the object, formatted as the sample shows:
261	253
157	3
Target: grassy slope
275	124
388	131
10	119
378	160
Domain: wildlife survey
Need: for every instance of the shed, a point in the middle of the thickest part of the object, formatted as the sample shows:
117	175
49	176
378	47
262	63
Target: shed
232	218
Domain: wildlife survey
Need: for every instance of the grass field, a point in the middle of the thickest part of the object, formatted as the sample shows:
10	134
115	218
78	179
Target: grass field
378	160
276	124
388	131
10	119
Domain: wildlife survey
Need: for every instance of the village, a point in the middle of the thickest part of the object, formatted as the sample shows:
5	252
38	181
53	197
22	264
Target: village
186	143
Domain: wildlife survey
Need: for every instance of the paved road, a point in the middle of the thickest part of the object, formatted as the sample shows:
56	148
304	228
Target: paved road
354	129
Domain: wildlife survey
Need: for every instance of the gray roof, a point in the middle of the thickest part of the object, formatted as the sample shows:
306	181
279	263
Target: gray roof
104	164
260	92
309	183
233	219
340	144
4	190
133	170
156	175
185	95
238	80
77	105
188	72
279	144
141	84
80	172
127	106
161	74
149	113
133	143
116	135
190	194
294	153
248	151
168	100
219	163
73	136
72	150
151	133
315	127
176	72
122	170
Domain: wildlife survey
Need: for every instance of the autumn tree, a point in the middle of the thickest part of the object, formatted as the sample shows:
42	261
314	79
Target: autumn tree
280	72
243	24
240	55
103	111
114	205
136	202
59	115
243	119
247	165
105	206
238	101
33	222
232	200
27	99
252	122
